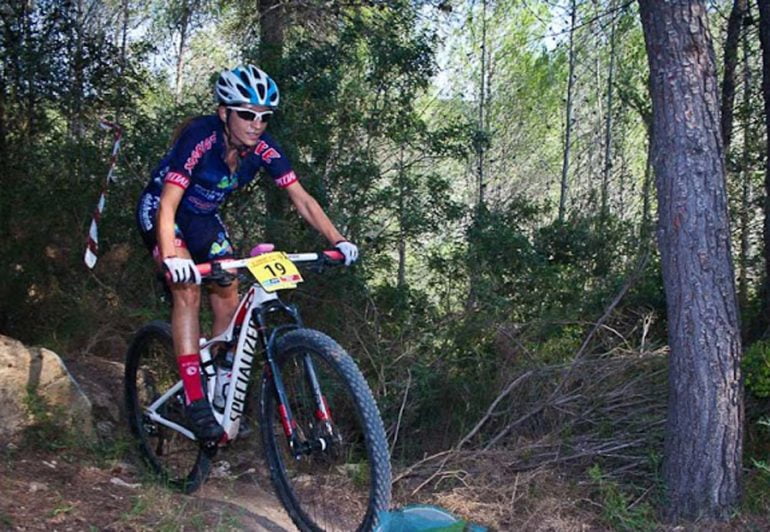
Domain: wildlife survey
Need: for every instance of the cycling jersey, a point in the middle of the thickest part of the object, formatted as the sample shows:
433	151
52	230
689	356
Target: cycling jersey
196	164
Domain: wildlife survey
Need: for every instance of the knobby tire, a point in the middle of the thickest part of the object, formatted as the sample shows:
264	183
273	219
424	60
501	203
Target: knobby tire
347	486
150	371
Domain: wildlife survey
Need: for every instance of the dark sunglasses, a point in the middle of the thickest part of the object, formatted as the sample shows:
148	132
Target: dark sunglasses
251	116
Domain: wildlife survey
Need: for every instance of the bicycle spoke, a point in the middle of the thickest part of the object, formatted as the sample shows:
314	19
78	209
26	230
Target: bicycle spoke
330	486
150	373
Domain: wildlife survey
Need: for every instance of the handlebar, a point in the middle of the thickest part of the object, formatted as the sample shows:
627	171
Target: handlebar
315	261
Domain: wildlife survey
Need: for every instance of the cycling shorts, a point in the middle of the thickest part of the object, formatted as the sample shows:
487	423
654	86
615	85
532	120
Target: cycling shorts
204	235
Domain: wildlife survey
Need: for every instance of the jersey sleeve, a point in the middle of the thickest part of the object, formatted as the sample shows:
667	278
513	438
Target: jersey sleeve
187	152
274	160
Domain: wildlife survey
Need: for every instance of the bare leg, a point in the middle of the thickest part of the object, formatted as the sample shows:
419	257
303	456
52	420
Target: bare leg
224	302
185	314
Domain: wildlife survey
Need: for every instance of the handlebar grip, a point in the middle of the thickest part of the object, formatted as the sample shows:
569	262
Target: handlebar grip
334	255
204	269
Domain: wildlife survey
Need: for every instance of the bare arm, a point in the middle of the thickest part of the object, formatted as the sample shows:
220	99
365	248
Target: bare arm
169	201
310	210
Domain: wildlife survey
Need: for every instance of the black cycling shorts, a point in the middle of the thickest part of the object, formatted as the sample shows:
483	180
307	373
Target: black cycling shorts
204	235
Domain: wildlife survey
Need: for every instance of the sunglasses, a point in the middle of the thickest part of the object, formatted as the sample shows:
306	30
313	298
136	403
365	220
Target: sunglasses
251	116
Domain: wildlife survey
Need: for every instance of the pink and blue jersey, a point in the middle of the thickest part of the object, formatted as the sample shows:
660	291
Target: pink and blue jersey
196	164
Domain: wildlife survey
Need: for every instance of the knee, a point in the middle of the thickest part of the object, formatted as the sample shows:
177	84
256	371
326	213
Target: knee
187	297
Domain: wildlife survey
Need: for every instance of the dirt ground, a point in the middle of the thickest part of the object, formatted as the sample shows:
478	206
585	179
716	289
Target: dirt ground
77	490
50	483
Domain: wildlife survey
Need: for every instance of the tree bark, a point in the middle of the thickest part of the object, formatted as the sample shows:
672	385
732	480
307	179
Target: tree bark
744	218
568	124
605	208
764	37
482	93
734	23
271	28
183	25
704	435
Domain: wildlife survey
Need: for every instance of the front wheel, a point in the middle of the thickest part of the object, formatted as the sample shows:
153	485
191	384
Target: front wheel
151	372
336	475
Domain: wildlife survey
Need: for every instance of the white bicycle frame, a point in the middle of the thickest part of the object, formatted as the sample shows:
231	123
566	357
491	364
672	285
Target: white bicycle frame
243	356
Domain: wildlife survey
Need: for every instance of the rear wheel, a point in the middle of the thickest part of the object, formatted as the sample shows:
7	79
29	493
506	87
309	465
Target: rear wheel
339	477
150	372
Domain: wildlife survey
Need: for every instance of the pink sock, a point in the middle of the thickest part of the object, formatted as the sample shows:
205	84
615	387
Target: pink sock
190	371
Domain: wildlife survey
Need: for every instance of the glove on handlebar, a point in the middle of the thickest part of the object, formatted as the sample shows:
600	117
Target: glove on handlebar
349	250
182	270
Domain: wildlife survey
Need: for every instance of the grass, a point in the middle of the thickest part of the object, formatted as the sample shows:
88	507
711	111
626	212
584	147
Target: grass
618	511
5	520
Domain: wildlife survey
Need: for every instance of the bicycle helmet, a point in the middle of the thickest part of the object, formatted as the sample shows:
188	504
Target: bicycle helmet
246	84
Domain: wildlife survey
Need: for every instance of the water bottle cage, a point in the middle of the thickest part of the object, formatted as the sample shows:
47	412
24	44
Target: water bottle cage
221	361
208	368
220	358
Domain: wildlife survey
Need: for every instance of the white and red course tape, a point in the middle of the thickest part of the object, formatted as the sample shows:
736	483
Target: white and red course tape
92	246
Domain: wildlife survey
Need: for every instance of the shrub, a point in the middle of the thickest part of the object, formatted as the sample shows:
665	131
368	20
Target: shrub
756	368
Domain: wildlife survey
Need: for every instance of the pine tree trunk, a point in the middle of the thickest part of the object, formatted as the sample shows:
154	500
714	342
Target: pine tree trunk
764	37
734	23
605	208
745	175
482	93
568	123
704	435
271	28
184	29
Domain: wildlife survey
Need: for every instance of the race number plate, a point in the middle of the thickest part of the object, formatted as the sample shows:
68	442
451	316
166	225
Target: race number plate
274	271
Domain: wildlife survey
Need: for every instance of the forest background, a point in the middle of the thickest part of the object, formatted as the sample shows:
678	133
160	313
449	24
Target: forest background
490	157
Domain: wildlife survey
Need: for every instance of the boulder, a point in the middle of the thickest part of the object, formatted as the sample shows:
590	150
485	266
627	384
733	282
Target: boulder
34	370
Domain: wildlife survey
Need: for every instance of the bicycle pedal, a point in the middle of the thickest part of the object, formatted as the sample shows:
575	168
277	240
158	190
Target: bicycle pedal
210	448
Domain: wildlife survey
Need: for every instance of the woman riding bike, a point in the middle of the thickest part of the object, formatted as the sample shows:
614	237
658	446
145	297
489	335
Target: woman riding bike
178	215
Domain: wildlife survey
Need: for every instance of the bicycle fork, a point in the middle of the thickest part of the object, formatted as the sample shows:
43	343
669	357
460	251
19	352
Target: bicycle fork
318	440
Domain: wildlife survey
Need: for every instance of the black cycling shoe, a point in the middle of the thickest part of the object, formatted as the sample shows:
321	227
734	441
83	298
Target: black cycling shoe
202	422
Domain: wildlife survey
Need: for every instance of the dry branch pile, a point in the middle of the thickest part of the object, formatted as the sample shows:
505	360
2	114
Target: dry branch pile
552	422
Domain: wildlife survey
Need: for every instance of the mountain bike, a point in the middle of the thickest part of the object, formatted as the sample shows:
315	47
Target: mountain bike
322	435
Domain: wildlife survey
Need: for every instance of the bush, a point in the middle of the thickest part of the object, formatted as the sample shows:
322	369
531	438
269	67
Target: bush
756	368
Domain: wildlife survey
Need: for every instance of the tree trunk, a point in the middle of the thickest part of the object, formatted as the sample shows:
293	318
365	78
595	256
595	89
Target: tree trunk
184	30
734	23
608	120
764	37
745	175
568	124
271	26
480	145
402	191
704	435
123	59
645	229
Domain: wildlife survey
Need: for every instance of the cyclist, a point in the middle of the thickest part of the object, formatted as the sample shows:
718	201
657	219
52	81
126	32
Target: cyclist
178	215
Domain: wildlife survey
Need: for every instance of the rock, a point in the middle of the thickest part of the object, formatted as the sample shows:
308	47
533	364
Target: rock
102	382
106	430
31	368
37	486
122	483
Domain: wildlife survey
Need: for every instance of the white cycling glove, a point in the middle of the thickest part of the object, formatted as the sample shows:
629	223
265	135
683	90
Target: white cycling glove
182	270
349	250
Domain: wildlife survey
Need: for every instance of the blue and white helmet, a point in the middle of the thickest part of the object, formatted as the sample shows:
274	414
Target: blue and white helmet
246	84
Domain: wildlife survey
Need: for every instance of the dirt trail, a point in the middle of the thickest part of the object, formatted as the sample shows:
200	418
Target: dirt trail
246	488
44	490
258	509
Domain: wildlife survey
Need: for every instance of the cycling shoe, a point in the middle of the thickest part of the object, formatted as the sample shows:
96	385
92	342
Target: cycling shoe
202	421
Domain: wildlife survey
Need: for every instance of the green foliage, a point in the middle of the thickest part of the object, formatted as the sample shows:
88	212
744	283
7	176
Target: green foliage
757	485
756	368
618	509
560	346
48	429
